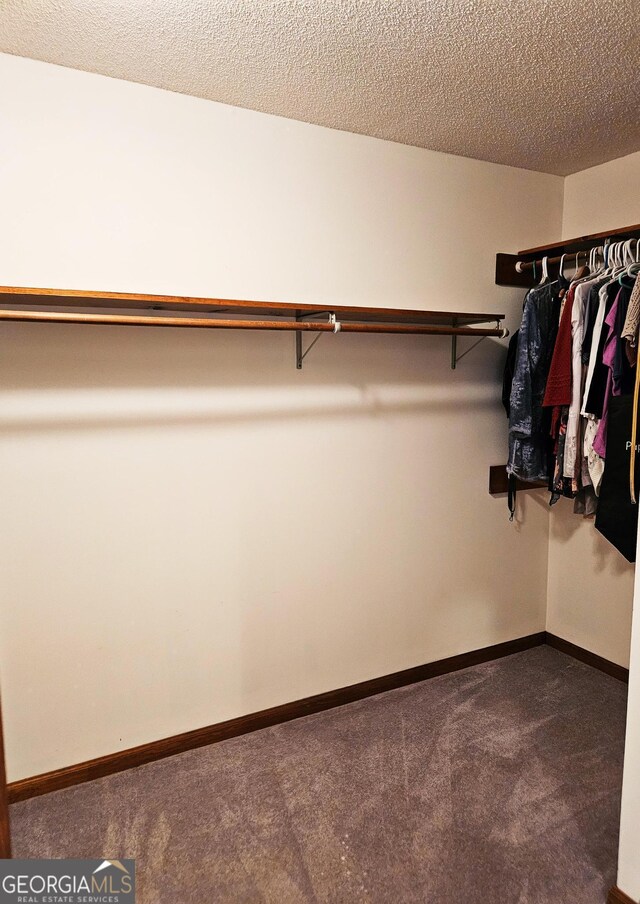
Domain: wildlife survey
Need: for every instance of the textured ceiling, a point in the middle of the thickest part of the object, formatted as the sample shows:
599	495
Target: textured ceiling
551	85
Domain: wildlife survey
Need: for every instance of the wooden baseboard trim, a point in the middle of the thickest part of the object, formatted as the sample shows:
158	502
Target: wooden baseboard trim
586	656
5	829
201	737
618	897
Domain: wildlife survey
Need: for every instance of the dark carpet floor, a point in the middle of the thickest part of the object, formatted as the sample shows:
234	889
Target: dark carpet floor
499	784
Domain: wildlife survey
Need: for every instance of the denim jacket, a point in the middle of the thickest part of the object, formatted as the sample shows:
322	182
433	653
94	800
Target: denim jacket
529	441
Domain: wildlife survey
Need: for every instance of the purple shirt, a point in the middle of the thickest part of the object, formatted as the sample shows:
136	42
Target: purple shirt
608	359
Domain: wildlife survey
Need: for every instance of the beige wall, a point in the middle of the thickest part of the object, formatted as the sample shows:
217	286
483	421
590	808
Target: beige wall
192	529
628	857
590	584
590	592
603	197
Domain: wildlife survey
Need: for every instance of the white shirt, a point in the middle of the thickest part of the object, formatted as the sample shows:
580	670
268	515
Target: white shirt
573	423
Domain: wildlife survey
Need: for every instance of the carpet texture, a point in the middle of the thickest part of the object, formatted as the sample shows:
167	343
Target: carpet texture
499	784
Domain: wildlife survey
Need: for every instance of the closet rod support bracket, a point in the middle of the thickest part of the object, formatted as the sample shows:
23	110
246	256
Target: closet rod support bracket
300	354
455	357
454	345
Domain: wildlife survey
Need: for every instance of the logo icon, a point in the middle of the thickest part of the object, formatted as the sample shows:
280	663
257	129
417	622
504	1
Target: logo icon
71	881
107	863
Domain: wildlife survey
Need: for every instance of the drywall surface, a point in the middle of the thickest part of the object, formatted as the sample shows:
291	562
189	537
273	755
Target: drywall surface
603	197
628	857
479	79
590	592
590	584
192	529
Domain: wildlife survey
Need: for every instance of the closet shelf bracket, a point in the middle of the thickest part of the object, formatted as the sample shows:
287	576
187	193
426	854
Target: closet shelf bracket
455	357
300	354
454	345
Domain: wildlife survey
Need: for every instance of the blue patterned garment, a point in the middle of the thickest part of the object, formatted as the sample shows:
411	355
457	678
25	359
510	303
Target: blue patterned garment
529	423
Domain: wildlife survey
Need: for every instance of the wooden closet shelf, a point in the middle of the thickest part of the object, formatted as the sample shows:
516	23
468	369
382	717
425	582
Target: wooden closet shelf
42	306
453	320
508	275
499	481
576	244
34	297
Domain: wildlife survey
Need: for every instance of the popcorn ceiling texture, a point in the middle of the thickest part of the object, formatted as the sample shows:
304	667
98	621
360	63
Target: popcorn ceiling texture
549	85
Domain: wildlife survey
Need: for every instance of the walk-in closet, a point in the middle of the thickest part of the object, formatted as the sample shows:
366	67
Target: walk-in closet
319	452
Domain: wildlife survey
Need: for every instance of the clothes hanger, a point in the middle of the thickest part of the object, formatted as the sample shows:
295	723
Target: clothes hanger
545	270
562	280
610	257
612	264
632	256
615	263
632	264
618	259
580	272
593	261
561	267
601	258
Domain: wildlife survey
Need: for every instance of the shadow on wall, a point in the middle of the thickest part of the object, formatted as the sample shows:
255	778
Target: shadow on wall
568	529
69	377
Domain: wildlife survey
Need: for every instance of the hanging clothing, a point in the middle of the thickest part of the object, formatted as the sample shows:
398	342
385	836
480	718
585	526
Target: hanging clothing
619	374
561	485
623	368
632	320
580	295
558	396
598	371
586	502
617	517
509	370
608	357
572	364
529	441
592	305
592	343
596	378
558	388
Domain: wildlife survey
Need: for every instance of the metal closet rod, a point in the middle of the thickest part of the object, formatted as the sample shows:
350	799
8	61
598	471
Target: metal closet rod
521	266
210	323
572	255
